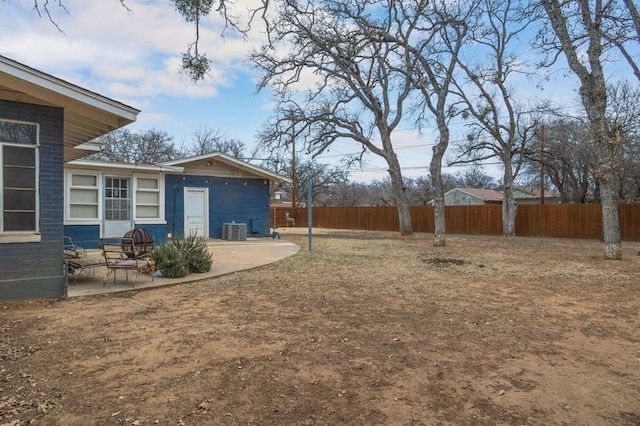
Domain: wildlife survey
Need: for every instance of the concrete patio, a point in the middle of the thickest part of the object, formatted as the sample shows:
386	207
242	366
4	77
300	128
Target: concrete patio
228	257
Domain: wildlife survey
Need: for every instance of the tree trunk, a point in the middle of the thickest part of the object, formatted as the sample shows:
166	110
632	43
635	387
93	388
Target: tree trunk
609	179
607	144
593	93
439	220
400	192
509	207
610	222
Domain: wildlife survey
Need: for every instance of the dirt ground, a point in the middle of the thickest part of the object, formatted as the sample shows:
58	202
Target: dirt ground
368	328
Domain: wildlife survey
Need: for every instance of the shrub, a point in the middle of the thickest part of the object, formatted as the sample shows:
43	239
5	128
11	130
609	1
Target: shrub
181	256
170	261
197	256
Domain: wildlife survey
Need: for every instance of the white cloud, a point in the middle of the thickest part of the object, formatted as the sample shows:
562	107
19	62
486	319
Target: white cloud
119	53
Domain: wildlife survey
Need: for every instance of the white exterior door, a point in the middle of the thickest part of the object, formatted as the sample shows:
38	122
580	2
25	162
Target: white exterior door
196	211
117	206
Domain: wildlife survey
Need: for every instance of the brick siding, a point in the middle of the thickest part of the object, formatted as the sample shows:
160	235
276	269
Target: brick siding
34	270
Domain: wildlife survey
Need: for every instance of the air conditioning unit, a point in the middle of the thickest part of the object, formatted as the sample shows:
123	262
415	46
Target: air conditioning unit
234	231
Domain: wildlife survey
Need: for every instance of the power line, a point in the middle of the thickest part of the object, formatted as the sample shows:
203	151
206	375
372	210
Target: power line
384	169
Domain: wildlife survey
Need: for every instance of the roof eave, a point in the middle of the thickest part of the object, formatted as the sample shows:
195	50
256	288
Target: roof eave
258	171
87	115
95	164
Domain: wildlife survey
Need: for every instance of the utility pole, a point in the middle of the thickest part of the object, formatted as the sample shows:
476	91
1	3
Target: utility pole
542	164
293	164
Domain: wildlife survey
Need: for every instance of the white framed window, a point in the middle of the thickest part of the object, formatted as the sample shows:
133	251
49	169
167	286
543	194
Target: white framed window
19	180
148	199
83	196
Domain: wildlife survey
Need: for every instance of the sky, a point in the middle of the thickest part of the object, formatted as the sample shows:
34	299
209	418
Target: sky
133	56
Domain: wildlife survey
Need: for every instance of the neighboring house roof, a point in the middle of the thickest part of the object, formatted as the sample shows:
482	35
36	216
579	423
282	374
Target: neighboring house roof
487	195
209	160
97	164
87	115
521	192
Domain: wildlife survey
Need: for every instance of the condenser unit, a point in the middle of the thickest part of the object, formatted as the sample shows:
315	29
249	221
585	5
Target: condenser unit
234	231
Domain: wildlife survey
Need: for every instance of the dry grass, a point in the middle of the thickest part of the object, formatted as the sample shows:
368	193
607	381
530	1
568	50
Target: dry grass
368	328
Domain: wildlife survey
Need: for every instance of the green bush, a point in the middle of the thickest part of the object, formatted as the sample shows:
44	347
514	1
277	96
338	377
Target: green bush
170	261
196	253
181	256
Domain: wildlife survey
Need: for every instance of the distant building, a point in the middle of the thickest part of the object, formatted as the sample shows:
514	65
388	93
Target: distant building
471	197
483	196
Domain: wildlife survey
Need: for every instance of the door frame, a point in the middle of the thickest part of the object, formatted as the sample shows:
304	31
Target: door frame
103	196
205	192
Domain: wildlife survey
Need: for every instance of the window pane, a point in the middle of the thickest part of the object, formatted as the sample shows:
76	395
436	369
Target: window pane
18	156
19	200
19	221
18	133
147	212
144	183
83	212
19	178
86	196
83	180
147	198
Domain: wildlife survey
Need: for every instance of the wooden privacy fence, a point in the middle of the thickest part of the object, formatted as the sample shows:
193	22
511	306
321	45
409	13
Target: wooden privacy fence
549	220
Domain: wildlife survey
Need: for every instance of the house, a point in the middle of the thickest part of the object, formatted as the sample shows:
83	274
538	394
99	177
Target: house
531	195
107	199
215	189
196	195
44	122
481	196
471	197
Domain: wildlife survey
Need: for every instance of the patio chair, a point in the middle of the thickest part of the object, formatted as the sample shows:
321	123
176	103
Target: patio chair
72	251
123	254
77	261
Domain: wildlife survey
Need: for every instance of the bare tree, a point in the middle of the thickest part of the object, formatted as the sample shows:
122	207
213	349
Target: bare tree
500	127
630	173
325	179
623	113
584	33
570	164
624	33
348	194
381	193
567	162
438	60
475	177
207	140
144	147
431	35
361	92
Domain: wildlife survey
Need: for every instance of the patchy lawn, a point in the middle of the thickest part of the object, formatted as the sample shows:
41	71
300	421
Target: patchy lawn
369	328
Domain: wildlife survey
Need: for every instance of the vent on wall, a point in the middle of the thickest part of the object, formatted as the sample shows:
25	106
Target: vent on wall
234	231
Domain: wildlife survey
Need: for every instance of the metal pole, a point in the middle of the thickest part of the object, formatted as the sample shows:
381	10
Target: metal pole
542	164
309	215
293	166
